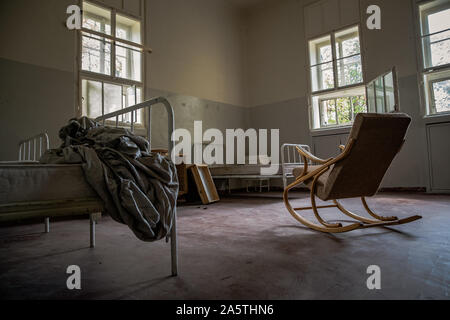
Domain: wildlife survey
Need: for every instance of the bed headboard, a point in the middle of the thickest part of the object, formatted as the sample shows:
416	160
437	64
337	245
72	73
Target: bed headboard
148	106
31	149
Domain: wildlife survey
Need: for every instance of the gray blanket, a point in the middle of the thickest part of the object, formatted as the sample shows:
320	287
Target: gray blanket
138	188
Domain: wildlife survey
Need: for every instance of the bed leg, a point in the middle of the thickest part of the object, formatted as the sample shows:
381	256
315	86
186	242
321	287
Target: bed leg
174	246
47	225
92	230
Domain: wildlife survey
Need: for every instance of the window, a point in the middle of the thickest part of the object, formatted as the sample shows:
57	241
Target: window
111	62
382	93
342	110
101	97
336	78
435	41
338	108
335	60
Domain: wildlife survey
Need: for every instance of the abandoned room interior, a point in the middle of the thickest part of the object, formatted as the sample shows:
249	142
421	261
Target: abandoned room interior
225	149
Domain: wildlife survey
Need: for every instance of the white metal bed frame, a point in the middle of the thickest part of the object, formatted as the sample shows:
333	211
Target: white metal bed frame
290	159
147	106
290	162
33	148
29	152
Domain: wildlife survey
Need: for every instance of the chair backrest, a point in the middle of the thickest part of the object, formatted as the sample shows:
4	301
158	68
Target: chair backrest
377	140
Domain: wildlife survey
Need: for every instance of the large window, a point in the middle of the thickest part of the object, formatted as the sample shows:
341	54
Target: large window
435	42
111	62
336	77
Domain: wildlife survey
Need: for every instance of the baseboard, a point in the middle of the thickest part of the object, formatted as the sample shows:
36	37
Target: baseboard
404	189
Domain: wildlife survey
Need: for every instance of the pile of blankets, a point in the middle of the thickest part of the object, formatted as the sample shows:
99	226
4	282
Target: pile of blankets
139	188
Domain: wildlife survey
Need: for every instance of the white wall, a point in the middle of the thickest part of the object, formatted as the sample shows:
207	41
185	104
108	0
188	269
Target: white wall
197	49
196	55
275	52
37	63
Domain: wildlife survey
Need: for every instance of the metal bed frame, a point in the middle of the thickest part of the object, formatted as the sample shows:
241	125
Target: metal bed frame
289	163
28	151
290	159
147	106
33	148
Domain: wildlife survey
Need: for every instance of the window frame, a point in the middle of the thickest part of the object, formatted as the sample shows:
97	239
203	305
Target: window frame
423	56
396	91
336	89
334	60
113	40
103	82
338	125
320	64
426	50
432	102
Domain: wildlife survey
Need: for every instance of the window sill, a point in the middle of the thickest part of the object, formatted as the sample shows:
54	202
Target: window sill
437	118
330	131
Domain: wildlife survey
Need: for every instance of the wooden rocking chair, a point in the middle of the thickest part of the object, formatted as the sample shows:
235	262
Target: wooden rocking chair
374	141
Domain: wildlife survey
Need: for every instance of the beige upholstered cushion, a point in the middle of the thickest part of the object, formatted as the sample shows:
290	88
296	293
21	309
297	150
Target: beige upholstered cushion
320	185
378	138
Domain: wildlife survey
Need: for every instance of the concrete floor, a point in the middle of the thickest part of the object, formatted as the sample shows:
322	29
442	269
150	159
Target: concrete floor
244	247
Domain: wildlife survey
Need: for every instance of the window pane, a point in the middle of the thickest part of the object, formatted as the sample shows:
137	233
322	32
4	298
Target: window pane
91	98
320	50
349	71
328	116
140	115
359	105
390	94
439	21
139	95
347	43
131	99
322	77
128	62
344	110
96	18
371	97
113	97
96	55
437	49
441	95
379	91
128	29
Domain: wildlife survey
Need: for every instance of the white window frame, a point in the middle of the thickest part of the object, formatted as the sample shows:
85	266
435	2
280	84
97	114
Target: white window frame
396	92
336	89
424	55
113	40
338	125
424	32
334	61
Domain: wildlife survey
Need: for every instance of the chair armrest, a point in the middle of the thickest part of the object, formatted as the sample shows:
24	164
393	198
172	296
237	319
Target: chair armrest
310	156
325	164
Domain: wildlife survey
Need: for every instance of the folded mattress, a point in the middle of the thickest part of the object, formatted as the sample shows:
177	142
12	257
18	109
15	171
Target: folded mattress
28	181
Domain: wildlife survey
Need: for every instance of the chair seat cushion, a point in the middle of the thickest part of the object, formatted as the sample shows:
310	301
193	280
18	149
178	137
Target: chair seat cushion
321	181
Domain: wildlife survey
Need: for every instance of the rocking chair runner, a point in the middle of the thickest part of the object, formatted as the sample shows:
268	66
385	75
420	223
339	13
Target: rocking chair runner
374	141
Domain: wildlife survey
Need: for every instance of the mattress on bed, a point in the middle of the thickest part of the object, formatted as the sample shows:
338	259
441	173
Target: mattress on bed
28	181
